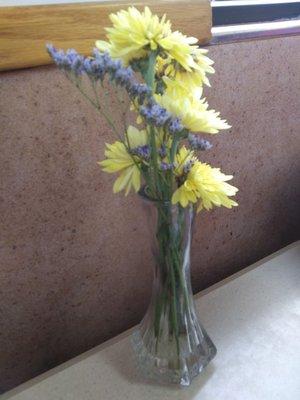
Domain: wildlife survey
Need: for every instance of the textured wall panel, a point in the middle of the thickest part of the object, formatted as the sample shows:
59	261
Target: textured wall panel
75	264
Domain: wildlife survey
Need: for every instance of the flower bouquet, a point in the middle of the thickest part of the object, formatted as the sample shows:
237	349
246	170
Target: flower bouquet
161	72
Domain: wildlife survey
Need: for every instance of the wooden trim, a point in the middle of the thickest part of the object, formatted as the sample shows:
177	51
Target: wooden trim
24	31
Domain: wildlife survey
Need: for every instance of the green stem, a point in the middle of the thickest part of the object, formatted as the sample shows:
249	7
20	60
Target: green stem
154	159
174	309
168	256
149	76
174	148
121	106
96	104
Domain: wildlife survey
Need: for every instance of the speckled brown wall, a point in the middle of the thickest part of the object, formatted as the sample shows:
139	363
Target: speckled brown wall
75	264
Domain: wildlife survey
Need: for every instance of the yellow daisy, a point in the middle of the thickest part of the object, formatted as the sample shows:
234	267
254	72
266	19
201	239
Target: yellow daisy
135	33
204	66
193	112
208	186
180	48
183	87
186	82
119	160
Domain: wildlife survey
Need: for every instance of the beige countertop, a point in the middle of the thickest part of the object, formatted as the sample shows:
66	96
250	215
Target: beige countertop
252	317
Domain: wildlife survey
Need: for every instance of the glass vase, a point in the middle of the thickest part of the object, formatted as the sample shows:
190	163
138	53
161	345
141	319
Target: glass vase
170	344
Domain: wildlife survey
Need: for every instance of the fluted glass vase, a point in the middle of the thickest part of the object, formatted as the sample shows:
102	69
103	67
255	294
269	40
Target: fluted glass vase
170	344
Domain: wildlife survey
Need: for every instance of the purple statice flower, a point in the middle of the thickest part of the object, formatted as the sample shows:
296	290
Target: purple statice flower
75	61
164	166
94	68
142	152
69	60
58	56
105	57
187	166
100	65
162	151
108	63
155	114
197	143
175	126
139	91
113	66
124	77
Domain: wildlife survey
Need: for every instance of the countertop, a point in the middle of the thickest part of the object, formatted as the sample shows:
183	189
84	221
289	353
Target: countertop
253	317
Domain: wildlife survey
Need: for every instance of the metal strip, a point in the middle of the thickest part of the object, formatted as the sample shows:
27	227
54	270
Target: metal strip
252	11
235	33
237	3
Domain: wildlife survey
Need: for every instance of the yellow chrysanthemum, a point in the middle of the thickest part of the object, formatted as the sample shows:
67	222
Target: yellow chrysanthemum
182	87
119	160
193	112
204	66
134	33
180	48
208	186
186	83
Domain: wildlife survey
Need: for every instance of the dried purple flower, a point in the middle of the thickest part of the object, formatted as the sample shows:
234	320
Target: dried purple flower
112	65
155	114
197	143
162	151
166	166
100	65
58	56
109	64
75	61
187	166
94	68
69	60
175	126
142	152
124	77
139	91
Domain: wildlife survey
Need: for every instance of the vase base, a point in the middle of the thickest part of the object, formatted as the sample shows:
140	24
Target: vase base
159	370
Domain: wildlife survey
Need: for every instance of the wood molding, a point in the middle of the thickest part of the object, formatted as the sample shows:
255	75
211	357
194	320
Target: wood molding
24	31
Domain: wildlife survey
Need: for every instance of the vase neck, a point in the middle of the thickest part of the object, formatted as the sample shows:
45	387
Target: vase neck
171	230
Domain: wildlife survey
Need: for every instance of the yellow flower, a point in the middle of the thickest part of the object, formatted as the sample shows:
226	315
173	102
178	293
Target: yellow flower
208	186
180	48
135	33
182	87
119	160
204	66
186	82
193	112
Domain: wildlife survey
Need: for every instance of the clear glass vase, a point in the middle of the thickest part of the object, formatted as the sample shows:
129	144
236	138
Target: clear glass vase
170	344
